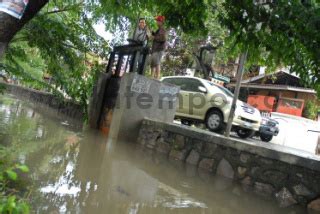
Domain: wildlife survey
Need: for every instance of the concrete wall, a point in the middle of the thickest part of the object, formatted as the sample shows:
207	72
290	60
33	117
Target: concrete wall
287	175
140	97
45	99
288	94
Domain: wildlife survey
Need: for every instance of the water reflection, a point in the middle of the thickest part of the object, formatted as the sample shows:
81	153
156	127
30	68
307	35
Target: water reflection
80	172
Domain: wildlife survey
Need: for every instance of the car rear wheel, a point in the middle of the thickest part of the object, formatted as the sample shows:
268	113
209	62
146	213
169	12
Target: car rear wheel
266	137
214	121
245	133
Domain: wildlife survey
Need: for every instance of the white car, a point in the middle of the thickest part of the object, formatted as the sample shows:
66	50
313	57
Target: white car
205	101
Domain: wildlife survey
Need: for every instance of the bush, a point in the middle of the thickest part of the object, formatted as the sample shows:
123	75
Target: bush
2	88
311	110
11	197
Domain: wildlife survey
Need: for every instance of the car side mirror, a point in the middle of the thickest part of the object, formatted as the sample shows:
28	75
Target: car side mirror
202	89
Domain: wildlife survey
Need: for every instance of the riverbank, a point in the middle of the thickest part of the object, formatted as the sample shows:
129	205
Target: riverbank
46	102
289	176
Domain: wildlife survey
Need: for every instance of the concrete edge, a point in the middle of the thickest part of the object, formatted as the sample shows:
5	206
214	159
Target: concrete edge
53	102
267	150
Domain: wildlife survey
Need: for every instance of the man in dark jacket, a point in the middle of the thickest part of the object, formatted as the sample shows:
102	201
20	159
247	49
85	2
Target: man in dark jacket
158	47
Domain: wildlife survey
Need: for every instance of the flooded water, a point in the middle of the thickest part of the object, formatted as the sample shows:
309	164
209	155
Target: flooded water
81	172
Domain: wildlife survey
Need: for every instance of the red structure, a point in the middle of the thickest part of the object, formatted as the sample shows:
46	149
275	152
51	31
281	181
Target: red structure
283	105
263	103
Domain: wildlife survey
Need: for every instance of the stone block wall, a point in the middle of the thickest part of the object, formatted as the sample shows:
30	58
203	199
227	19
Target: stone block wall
289	176
66	107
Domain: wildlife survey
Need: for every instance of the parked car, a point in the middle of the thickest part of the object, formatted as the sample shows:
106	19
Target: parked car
268	128
203	101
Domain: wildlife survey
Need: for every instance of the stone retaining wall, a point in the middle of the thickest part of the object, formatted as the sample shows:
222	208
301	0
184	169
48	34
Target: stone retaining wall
66	107
290	176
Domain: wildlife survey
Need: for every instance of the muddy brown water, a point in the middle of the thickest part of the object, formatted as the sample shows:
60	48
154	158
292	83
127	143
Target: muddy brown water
80	171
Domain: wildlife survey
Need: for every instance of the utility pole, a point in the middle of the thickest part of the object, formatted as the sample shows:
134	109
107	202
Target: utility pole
243	58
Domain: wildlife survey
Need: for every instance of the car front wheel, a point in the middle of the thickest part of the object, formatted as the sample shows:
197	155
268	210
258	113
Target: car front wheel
245	133
266	137
214	121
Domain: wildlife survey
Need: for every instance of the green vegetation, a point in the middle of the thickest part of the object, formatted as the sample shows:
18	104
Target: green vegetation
279	33
11	198
13	185
2	88
311	110
26	134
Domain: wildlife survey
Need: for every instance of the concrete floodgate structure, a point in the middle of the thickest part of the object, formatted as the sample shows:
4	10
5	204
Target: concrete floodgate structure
134	97
140	97
290	176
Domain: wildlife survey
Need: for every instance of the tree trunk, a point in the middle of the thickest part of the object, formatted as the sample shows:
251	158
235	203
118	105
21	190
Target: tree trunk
10	26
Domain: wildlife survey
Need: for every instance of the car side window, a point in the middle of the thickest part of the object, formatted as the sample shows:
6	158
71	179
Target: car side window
176	81
191	85
186	84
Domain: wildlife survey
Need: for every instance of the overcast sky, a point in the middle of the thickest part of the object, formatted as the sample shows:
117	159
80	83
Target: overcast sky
100	29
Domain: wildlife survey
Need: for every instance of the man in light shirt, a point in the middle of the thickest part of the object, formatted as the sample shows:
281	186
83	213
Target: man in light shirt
141	33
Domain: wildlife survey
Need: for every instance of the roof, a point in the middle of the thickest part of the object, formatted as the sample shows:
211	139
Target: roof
257	86
278	78
275	87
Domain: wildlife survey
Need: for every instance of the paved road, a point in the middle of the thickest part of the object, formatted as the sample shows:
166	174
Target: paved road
295	132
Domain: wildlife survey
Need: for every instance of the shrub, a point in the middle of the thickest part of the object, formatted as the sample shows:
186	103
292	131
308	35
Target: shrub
311	110
12	200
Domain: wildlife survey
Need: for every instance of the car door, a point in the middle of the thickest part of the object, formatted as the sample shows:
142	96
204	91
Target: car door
181	102
194	99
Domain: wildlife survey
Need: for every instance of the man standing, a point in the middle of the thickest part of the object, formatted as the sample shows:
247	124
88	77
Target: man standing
141	33
158	46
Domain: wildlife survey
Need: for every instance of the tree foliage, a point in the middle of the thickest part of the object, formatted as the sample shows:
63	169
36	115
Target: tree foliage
189	15
62	37
280	33
311	110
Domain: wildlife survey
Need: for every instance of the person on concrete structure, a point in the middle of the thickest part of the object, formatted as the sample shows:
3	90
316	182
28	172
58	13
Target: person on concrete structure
158	47
142	33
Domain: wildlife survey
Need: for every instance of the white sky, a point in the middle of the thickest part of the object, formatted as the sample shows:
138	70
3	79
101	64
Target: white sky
101	31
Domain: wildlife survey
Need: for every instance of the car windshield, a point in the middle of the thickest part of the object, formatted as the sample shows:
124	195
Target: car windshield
223	89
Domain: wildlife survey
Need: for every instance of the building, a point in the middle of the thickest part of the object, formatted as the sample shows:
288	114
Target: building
285	88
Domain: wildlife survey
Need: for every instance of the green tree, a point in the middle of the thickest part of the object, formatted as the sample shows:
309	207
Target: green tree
62	39
10	26
280	33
